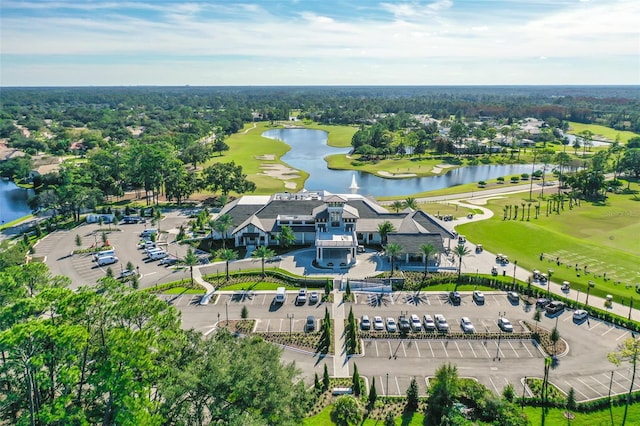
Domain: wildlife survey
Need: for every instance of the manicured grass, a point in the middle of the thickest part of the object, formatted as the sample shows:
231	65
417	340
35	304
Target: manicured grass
459	189
443	208
555	416
256	286
462	287
183	290
15	222
603	237
604	131
339	136
399	166
324	418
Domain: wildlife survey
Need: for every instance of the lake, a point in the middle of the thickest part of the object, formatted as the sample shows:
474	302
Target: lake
309	147
13	201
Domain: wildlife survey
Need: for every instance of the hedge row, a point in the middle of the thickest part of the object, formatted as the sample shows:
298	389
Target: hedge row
445	336
586	406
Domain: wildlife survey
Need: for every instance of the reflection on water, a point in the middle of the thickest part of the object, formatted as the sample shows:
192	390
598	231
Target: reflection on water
13	202
309	147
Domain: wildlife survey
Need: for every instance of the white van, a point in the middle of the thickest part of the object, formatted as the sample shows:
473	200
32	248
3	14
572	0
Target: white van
106	260
281	295
156	255
104	253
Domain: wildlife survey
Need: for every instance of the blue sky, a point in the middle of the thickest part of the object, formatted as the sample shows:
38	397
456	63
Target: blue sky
318	42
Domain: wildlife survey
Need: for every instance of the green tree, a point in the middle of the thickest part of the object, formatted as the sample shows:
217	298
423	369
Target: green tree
373	395
392	250
628	351
222	224
442	392
384	229
78	240
191	260
227	177
397	205
286	236
227	255
355	379
461	250
262	253
427	251
413	396
555	337
347	411
325	378
411	203
389	419
244	312
508	393
536	317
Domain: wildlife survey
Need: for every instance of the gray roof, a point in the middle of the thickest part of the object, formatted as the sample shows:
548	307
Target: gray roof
411	243
431	224
297	207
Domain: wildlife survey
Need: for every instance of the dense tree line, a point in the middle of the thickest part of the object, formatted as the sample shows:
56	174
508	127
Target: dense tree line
111	355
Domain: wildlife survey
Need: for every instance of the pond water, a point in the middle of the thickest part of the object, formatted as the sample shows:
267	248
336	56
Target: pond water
13	201
309	147
572	140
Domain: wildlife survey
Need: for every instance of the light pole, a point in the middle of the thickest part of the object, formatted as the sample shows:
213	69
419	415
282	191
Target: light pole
290	318
524	385
550	274
226	309
387	389
515	264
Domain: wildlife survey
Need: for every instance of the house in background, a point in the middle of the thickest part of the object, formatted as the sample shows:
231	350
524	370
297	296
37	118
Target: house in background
335	224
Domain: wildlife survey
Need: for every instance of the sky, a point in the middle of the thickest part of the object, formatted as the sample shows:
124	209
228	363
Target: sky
319	42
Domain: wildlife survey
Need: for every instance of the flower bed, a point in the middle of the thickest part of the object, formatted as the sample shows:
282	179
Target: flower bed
543	337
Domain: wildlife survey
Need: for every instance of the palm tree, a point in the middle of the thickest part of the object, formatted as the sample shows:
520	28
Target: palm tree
392	250
191	260
461	250
222	225
427	250
384	229
397	205
262	252
227	255
411	203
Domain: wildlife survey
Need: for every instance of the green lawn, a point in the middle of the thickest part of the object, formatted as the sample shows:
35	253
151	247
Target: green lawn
398	166
555	417
257	286
602	131
183	290
324	418
339	136
603	237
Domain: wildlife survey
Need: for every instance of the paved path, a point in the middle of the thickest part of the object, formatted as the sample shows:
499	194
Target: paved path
340	359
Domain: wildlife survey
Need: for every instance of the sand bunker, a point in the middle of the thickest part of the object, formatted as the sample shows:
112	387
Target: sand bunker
267	157
438	167
396	175
279	171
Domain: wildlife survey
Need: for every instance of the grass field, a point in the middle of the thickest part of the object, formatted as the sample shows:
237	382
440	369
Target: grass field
602	237
256	286
555	417
602	131
324	418
399	166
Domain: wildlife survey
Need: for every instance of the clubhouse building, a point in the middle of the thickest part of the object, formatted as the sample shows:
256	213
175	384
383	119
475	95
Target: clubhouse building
337	225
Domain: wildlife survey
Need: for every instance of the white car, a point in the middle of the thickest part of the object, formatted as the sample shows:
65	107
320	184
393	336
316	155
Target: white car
580	315
505	324
467	325
391	325
416	324
429	324
441	323
378	324
127	273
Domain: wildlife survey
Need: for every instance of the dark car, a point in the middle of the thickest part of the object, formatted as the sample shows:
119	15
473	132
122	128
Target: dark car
455	297
542	303
403	324
555	307
311	323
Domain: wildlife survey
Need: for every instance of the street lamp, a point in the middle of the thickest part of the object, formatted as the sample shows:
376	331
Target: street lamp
387	389
226	309
515	264
290	318
524	385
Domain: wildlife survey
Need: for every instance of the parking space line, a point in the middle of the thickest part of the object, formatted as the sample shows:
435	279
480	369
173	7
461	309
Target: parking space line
599	382
397	385
415	343
500	353
513	349
376	345
618	383
623	335
432	354
567	318
390	350
280	326
403	350
474	352
459	351
494	386
524	345
597	324
582	381
484	345
576	389
382	386
610	329
445	350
